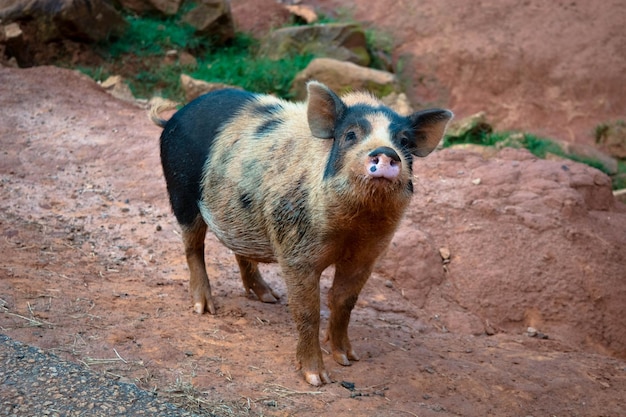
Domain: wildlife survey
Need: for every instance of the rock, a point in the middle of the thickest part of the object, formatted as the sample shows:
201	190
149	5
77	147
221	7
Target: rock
472	126
81	20
514	140
485	151
345	76
589	153
303	11
116	86
15	46
413	263
167	7
341	41
399	102
212	18
612	138
537	243
620	195
183	58
258	17
194	88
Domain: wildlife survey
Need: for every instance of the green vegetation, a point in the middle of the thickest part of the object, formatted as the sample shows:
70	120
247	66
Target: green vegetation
141	57
538	146
155	50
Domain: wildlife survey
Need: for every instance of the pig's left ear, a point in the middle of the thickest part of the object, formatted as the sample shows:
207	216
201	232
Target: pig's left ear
324	108
428	127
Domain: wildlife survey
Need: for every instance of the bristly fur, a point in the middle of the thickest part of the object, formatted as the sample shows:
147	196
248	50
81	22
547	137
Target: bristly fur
286	182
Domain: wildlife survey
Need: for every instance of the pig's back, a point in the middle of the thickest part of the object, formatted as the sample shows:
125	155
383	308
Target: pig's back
259	180
187	142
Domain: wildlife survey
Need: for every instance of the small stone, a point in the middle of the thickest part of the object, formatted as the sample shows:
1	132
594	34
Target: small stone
388	284
348	385
476	181
445	253
531	332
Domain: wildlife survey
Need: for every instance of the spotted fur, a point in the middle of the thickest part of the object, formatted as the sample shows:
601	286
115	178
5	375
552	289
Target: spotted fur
293	183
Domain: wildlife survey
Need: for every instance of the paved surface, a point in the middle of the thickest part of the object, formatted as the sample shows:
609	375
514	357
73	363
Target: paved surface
36	383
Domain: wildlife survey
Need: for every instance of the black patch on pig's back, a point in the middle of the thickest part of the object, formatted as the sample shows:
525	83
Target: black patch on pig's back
267	127
186	145
271	116
272	109
290	214
246	200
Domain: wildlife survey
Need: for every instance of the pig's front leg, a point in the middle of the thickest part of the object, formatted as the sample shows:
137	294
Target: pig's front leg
347	284
199	286
304	302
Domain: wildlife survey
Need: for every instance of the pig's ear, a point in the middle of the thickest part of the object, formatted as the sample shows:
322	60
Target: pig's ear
324	108
428	127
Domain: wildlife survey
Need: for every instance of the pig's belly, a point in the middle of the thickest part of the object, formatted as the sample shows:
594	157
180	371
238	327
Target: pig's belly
240	234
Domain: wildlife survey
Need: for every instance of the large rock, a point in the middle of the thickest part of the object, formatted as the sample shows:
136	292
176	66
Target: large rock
590	154
612	138
532	243
345	76
472	126
193	87
341	41
212	18
82	20
12	37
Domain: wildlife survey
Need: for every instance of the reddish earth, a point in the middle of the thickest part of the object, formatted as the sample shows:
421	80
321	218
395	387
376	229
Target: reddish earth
552	68
92	266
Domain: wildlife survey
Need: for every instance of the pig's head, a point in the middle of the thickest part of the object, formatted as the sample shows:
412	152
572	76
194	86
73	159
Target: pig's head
373	146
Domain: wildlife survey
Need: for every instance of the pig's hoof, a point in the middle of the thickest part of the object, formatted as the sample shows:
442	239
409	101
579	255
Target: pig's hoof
268	297
200	307
344	359
317	378
264	293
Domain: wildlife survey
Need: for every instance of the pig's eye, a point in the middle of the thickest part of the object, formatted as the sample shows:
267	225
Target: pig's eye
350	137
405	142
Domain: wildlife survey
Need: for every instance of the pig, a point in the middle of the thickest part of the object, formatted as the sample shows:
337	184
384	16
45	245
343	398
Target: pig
307	185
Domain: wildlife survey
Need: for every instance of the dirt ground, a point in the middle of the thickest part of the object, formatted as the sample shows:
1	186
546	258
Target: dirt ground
92	269
552	68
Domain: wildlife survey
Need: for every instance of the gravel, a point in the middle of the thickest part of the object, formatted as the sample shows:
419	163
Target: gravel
36	383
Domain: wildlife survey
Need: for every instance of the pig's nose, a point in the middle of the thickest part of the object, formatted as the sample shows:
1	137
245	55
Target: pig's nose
383	162
385	150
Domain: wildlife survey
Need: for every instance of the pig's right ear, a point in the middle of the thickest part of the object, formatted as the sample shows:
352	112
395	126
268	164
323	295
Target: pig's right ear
324	108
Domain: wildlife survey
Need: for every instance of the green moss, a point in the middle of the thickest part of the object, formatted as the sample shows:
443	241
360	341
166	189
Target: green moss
538	146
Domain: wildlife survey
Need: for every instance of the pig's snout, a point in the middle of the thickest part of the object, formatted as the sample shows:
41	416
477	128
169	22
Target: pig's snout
383	162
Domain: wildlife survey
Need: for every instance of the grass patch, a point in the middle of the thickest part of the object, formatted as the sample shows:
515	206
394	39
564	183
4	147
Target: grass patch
538	146
239	64
140	57
150	36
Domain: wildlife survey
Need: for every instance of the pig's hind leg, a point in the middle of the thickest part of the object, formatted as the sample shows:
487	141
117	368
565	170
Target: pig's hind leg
253	281
199	286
